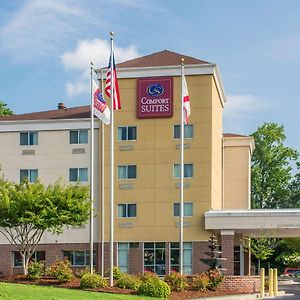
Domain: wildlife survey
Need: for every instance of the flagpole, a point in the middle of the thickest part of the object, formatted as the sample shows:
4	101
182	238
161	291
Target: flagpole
102	185
92	175
181	171
111	164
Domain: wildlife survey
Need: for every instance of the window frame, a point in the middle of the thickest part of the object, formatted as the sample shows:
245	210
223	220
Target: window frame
126	172
185	133
86	254
184	165
155	264
29	175
185	249
127	133
34	257
124	268
126	205
79	132
184	204
78	174
29	135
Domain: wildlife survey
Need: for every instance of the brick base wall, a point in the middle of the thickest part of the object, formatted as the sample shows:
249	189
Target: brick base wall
241	284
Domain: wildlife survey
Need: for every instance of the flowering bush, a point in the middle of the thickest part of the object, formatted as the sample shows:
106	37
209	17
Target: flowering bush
36	270
117	273
215	279
129	282
200	282
147	276
91	281
61	270
176	281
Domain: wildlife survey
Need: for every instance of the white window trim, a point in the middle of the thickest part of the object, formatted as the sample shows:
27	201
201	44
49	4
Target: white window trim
126	133
78	138
28	138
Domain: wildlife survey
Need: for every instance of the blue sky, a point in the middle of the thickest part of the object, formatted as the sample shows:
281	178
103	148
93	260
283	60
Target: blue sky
46	47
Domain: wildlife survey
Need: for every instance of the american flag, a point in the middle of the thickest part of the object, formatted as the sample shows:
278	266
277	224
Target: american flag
116	100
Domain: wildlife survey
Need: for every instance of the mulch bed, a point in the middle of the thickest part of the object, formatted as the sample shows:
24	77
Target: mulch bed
75	284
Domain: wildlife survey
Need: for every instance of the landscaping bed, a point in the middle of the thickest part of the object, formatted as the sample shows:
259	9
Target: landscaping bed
75	284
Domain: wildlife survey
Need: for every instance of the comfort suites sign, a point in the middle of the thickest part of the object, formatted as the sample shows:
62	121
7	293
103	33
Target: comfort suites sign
155	97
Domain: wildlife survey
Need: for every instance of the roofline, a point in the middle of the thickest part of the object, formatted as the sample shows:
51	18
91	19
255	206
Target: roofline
46	124
194	69
236	141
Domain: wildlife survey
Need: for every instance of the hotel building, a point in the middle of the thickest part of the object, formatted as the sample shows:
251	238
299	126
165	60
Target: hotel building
53	144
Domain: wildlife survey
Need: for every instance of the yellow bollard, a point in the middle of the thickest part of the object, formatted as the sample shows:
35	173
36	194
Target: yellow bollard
271	285
275	279
262	283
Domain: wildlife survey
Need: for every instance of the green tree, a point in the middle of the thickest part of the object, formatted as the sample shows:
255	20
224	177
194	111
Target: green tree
261	247
4	110
27	210
271	168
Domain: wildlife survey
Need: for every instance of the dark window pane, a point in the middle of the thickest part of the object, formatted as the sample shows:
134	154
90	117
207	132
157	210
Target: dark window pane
69	256
132	133
73	175
176	131
160	269
160	245
33	138
134	245
148	257
149	245
176	209
188	170
132	172
83	137
23	138
17	259
131	210
74	137
160	256
122	133
122	210
174	245
40	256
174	257
79	258
23	175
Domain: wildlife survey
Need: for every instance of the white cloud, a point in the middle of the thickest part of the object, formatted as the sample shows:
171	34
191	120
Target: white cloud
240	110
41	28
97	51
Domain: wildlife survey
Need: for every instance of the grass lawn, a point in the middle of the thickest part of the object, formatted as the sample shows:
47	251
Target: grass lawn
12	291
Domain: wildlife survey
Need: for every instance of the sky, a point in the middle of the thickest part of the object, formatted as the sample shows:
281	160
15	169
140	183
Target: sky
46	47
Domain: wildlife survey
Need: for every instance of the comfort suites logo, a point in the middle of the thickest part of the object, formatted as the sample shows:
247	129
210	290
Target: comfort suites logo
155	97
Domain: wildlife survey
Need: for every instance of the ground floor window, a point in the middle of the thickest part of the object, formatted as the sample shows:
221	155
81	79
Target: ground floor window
155	257
79	258
36	256
237	260
123	257
187	257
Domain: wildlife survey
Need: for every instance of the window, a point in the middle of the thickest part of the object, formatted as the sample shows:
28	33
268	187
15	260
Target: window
187	209
127	172
187	257
126	210
78	174
28	138
36	256
79	258
155	258
123	257
188	131
78	137
31	175
188	170
127	133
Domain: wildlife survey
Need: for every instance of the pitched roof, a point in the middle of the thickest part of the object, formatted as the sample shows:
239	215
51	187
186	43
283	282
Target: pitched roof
233	135
161	58
68	113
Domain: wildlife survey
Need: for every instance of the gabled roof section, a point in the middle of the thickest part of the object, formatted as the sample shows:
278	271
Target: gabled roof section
161	58
68	113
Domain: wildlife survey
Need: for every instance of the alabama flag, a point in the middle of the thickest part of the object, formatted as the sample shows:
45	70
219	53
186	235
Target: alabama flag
101	110
186	102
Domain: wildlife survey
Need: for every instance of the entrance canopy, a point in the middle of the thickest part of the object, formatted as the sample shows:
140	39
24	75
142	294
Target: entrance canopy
252	222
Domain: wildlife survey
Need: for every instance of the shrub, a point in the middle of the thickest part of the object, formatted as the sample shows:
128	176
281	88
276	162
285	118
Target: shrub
61	270
148	275
117	273
176	281
200	282
91	281
86	270
154	288
129	282
36	270
215	279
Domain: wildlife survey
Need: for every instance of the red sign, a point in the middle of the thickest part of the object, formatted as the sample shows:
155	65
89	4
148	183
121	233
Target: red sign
155	97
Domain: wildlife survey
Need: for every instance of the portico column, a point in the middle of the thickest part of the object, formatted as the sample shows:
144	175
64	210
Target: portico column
227	243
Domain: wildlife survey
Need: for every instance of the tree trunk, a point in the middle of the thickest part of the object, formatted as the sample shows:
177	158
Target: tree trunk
24	264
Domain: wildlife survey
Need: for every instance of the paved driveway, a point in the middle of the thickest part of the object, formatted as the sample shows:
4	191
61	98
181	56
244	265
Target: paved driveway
290	287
